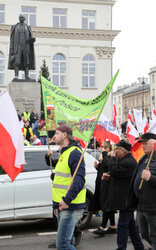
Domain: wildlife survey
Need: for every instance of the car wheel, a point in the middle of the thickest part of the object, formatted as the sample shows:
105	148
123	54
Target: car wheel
87	215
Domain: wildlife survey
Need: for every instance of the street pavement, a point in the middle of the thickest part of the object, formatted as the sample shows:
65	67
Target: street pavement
36	235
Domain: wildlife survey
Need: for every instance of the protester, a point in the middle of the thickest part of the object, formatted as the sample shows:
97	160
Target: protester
101	188
26	114
145	197
36	128
42	130
33	117
26	142
68	206
77	231
93	144
36	141
28	131
19	117
121	168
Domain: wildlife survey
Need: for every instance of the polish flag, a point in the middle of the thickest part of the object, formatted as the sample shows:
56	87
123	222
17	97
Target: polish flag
11	139
154	114
145	124
152	128
130	116
132	133
106	130
114	114
138	120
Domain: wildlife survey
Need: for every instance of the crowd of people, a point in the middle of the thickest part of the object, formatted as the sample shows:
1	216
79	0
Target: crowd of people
34	128
117	187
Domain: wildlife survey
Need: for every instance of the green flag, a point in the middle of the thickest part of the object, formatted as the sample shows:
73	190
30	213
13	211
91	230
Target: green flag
81	114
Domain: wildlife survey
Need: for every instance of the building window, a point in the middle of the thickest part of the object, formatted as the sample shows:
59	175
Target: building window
88	71
59	70
88	19
1	14
59	18
30	15
2	68
119	99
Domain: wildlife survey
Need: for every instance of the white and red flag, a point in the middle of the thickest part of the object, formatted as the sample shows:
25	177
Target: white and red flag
153	114
152	128
114	114
132	133
145	124
105	129
11	139
138	120
130	116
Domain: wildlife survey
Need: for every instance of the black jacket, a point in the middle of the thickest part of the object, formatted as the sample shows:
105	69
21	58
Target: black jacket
146	200
100	186
121	172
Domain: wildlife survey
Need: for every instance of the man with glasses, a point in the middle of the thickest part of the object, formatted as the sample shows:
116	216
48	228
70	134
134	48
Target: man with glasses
121	168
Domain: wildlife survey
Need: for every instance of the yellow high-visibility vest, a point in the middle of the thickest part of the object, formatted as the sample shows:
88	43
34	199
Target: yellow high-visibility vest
63	178
26	116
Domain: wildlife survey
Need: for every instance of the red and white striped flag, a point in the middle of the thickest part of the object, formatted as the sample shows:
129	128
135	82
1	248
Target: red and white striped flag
11	138
132	133
114	114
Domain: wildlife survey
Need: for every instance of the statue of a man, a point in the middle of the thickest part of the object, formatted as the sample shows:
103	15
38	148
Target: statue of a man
21	54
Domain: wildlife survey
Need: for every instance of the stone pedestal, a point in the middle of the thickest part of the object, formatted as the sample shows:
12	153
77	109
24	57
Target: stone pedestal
25	94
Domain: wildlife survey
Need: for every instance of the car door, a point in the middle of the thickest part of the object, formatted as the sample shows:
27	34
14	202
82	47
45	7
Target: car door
6	197
33	188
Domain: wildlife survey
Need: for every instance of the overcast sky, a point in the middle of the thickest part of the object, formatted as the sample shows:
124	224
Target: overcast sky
136	43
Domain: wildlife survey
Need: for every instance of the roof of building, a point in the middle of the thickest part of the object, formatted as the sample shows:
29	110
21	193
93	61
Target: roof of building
136	88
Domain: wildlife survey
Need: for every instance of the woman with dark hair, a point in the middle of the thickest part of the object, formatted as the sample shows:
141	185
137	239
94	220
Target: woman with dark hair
101	188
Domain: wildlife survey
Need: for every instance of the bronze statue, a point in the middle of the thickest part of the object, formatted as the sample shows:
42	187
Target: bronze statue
21	54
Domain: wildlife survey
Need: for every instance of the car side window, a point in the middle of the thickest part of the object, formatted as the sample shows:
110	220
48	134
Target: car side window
36	161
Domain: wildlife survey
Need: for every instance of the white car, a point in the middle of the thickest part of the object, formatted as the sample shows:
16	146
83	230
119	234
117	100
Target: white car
30	195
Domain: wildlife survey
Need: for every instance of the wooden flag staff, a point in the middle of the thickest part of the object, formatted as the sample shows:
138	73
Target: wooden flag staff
78	165
147	166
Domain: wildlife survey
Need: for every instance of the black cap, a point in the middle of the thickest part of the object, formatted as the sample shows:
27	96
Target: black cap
124	144
147	136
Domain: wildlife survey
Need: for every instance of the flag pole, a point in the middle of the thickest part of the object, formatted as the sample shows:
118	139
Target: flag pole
78	165
147	166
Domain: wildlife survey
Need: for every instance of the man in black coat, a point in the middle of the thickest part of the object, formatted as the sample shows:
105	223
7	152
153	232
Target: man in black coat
144	198
121	168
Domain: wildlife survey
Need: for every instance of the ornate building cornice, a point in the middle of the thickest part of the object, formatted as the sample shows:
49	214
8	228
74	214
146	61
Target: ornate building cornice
105	52
78	34
95	2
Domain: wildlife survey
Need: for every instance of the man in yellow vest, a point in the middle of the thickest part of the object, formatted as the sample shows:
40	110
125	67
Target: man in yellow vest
26	114
68	206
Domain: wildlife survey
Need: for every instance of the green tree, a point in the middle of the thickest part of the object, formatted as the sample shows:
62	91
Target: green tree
45	73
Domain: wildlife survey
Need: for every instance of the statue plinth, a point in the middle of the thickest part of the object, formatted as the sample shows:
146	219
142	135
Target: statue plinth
25	93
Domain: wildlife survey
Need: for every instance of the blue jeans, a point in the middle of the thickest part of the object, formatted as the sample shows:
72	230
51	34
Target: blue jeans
67	220
127	227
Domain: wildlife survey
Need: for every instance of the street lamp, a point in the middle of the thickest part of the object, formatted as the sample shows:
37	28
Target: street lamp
143	83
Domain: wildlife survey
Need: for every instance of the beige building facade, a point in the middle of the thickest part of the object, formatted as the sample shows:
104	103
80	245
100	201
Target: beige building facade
152	76
137	95
74	37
